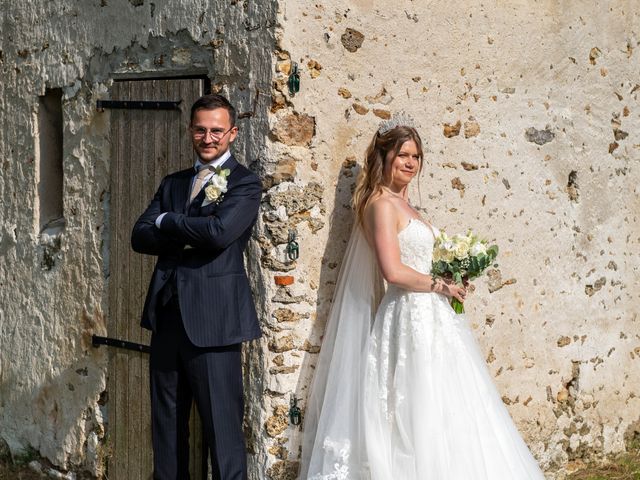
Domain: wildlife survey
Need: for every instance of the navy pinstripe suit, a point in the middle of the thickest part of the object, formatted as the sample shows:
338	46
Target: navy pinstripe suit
199	308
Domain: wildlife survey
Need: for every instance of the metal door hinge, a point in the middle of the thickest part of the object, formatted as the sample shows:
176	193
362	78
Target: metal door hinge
114	342
138	104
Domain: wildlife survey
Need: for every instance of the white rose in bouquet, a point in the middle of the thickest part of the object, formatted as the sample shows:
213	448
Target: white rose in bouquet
461	249
477	249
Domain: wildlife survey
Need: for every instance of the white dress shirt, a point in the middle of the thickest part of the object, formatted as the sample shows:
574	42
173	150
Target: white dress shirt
199	164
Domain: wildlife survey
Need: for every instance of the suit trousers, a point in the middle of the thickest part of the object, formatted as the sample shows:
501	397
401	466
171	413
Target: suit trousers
180	373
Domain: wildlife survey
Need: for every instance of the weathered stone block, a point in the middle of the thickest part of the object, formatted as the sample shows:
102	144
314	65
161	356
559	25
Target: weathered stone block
563	341
307	347
457	184
267	261
352	39
572	186
284	67
314	68
297	200
285	171
384	114
595	287
539	137
282	344
284	470
360	109
283	295
287	315
469	166
471	129
452	130
295	129
284	369
278	422
344	92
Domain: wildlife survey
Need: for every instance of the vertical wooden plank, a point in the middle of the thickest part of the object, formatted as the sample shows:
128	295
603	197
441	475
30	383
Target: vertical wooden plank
114	281
121	366
136	165
147	190
173	133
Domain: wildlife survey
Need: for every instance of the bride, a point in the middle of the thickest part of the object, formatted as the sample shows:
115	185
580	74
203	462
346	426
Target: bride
401	391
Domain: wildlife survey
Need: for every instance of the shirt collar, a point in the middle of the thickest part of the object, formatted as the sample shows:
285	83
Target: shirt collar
216	163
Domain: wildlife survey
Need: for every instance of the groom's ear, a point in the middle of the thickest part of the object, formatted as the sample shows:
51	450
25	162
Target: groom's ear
234	134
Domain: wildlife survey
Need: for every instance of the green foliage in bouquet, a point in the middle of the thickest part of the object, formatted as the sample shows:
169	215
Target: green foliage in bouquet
462	257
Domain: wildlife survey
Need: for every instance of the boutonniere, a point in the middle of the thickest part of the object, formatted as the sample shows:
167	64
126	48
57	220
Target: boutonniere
216	186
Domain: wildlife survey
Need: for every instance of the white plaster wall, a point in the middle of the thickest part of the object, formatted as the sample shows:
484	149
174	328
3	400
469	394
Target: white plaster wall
52	381
565	355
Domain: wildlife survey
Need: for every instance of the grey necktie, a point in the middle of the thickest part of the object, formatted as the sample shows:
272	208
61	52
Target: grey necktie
197	184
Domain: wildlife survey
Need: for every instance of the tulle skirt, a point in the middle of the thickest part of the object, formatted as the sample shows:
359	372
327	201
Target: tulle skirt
431	410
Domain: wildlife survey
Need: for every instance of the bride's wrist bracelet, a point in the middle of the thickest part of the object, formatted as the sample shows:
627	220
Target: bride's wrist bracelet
438	286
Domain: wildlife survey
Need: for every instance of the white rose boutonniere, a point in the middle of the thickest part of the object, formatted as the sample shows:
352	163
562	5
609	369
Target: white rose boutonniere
216	186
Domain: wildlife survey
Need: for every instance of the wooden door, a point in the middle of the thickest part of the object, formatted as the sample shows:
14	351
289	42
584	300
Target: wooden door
146	145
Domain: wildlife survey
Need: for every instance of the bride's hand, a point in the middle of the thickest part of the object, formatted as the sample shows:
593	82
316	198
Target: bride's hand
454	291
448	279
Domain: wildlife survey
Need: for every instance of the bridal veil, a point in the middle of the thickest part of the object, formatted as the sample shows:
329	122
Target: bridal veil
333	443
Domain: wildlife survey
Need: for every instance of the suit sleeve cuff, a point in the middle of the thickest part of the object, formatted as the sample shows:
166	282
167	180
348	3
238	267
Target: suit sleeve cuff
159	219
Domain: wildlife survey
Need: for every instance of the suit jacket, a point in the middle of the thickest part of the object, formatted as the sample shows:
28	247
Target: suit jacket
210	278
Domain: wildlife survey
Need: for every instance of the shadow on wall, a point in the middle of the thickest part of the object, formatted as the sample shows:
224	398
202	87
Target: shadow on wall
341	223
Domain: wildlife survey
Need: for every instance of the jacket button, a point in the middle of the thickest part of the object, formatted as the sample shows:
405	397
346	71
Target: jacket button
165	276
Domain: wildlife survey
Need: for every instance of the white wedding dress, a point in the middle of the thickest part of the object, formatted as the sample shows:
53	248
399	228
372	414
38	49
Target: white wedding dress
416	401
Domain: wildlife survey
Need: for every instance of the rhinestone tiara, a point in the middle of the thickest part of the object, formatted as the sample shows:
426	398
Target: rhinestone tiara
400	119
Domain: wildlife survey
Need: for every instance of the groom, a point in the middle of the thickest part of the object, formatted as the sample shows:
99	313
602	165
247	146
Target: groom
199	304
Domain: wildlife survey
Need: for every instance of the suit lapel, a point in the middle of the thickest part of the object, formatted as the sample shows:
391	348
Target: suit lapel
231	164
195	206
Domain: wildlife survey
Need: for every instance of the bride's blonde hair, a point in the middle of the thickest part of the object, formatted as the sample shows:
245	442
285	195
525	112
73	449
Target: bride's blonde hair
371	177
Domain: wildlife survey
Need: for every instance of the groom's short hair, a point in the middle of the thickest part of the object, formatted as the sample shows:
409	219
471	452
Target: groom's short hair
211	102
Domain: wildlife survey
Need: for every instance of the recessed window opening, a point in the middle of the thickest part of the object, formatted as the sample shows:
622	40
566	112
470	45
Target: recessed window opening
49	160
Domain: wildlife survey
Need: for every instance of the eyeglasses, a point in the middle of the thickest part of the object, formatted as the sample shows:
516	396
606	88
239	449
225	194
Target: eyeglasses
217	134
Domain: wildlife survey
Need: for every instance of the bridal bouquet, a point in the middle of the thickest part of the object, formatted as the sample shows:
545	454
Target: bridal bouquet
462	257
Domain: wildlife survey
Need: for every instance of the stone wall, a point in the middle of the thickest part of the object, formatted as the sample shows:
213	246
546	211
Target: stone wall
53	285
530	116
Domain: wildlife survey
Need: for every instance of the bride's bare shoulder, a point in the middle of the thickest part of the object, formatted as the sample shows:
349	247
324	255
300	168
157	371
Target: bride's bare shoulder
379	204
381	209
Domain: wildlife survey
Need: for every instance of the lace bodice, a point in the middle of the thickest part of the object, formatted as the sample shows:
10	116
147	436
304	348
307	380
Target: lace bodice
416	245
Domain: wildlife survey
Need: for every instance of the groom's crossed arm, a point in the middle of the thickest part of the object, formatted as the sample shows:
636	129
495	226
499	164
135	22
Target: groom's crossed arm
236	213
146	238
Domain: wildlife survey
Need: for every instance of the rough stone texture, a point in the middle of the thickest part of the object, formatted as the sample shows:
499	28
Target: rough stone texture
451	130
560	201
277	423
54	286
548	168
539	137
284	470
360	109
344	92
352	39
471	129
285	171
295	129
380	113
